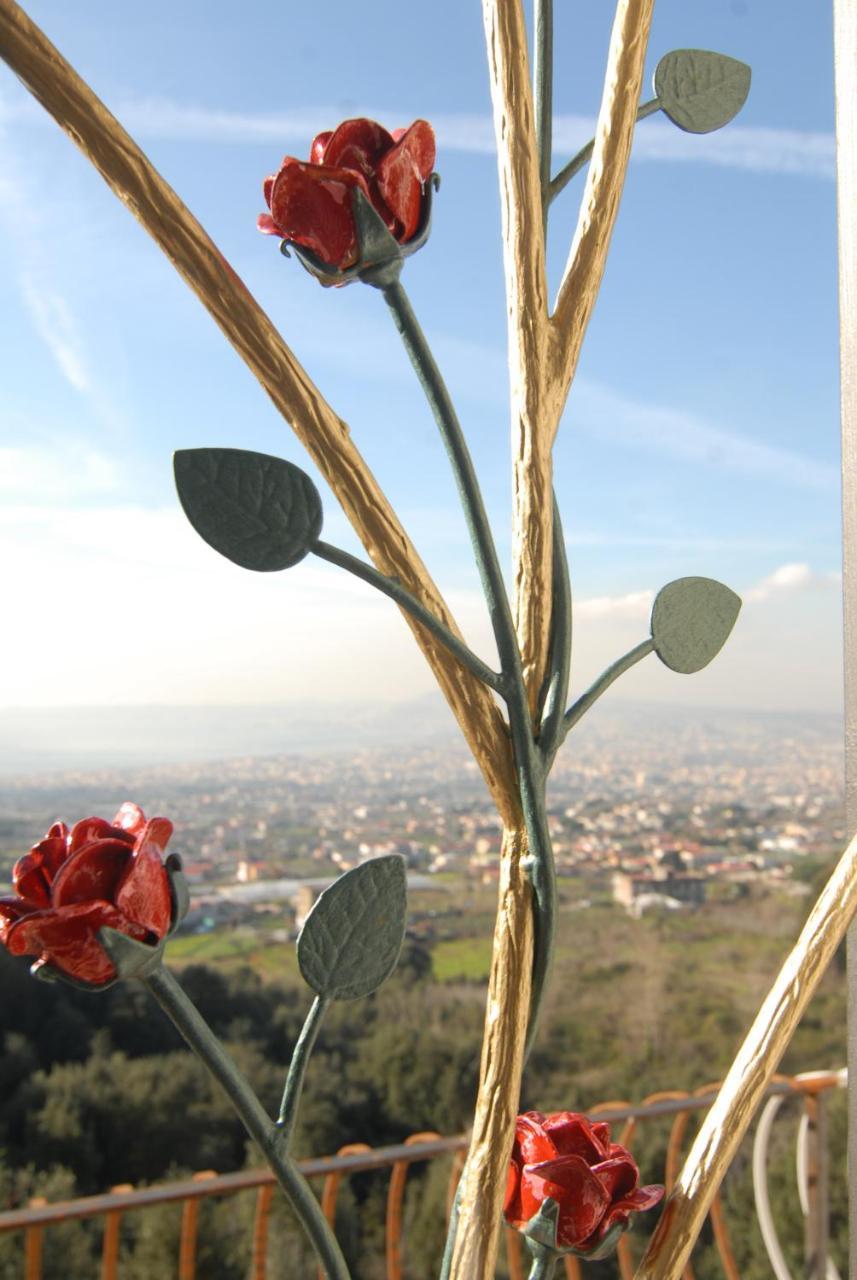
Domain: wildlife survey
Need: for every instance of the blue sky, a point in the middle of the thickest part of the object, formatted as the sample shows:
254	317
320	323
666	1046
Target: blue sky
700	437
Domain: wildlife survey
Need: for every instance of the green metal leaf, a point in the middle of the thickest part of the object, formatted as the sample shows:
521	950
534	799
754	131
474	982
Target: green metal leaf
691	621
262	513
701	91
352	937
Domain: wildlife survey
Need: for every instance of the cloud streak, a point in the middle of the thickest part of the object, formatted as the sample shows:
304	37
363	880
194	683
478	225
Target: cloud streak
609	416
795	152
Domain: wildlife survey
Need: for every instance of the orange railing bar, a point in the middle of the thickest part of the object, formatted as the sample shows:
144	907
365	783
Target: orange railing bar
190	1225
358	1158
261	1219
395	1195
110	1245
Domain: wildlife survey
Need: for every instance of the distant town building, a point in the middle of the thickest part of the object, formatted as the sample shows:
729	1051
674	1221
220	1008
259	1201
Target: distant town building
684	888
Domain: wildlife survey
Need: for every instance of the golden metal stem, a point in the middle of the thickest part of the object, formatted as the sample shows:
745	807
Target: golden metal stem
603	191
484	1179
132	177
750	1074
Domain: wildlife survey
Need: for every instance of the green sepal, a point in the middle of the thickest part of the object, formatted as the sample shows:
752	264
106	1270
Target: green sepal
699	90
132	959
691	621
351	939
179	892
260	512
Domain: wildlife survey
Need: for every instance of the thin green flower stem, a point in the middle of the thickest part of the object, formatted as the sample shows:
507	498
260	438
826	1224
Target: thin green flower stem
543	94
392	587
604	681
528	763
297	1071
439	399
565	175
560	646
544	1265
202	1040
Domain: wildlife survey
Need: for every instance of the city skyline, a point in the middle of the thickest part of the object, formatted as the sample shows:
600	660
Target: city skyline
701	435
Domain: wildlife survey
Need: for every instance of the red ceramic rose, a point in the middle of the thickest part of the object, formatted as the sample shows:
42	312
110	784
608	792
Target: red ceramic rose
312	204
73	883
571	1160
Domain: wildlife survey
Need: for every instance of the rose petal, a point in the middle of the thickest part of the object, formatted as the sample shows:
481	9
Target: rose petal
532	1144
130	817
265	224
637	1202
403	172
319	142
144	892
512	1206
357	144
53	851
601	1132
12	909
59	829
573	1135
581	1197
92	874
618	1176
29	878
268	187
89	829
67	939
311	204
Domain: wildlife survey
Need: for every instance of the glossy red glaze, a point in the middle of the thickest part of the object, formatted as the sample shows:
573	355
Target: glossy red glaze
571	1160
310	204
73	883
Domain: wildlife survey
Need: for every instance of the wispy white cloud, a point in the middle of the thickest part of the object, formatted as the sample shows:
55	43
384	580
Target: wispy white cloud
803	153
57	326
610	416
790	579
56	470
634	604
26	227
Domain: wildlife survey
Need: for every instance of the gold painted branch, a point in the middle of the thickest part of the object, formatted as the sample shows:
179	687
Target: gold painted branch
131	176
606	178
484	1180
751	1072
527	316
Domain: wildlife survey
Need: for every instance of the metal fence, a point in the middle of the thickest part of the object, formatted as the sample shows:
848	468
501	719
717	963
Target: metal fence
812	1170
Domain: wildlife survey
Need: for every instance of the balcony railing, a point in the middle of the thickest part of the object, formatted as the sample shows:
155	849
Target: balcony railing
39	1215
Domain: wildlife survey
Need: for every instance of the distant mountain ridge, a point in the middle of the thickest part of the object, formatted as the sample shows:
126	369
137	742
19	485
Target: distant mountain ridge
38	739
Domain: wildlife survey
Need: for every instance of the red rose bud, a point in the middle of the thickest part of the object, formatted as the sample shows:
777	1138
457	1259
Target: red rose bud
570	1160
311	204
73	883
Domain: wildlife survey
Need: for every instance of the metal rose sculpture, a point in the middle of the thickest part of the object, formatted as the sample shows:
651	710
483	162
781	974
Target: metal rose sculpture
570	1189
311	204
74	883
98	902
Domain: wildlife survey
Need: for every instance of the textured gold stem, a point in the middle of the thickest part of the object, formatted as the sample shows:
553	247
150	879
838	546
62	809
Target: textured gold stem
527	314
604	183
750	1074
326	437
484	1180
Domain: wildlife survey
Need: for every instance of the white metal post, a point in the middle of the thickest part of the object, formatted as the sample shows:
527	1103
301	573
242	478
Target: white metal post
845	55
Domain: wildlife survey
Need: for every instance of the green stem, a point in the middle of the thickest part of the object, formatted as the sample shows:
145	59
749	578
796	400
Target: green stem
544	1265
439	399
565	175
543	94
255	1119
528	763
392	587
604	681
560	646
297	1072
